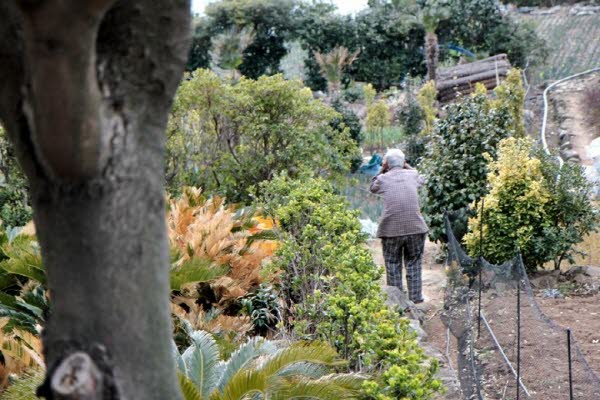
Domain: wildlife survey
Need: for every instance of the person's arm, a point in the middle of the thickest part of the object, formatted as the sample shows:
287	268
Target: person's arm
375	187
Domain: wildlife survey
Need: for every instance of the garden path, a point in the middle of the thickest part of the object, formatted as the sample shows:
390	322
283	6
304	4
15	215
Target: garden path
434	341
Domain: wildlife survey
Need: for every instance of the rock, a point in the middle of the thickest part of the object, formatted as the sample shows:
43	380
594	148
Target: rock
569	154
572	272
397	298
545	281
582	279
566	145
416	326
592	271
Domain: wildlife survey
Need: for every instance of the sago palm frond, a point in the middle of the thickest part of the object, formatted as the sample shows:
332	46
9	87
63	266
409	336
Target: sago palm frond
23	258
242	385
299	352
249	351
195	270
200	361
306	369
330	387
188	389
24	387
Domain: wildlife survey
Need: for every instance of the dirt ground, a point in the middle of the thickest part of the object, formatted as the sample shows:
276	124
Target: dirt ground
544	353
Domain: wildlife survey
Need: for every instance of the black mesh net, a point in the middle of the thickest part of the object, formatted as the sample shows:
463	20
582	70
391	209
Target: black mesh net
490	357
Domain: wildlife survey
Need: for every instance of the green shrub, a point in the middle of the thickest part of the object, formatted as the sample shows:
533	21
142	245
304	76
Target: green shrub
533	206
228	138
378	116
262	306
353	93
456	166
347	119
426	99
331	289
410	115
511	96
14	199
479	26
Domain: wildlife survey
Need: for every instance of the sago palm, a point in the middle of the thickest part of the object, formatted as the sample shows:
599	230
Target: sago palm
212	241
263	370
332	66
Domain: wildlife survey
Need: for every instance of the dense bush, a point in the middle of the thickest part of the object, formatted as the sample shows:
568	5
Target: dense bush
349	120
228	138
456	166
533	206
390	49
426	100
480	26
14	199
378	116
331	288
270	20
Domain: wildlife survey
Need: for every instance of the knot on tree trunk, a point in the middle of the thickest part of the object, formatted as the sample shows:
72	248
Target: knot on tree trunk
80	375
77	377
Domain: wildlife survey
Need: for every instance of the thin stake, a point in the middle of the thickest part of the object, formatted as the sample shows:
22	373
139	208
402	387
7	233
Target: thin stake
519	334
570	365
480	261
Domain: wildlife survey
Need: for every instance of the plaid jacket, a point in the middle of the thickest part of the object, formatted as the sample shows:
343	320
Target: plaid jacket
401	212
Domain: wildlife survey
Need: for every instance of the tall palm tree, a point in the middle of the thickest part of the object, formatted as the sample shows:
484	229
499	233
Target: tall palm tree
431	14
263	370
227	49
428	14
332	66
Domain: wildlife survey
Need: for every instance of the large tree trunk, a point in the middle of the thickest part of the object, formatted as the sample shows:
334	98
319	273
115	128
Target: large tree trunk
85	91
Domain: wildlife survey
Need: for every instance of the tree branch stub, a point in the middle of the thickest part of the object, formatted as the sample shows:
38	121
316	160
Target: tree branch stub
77	378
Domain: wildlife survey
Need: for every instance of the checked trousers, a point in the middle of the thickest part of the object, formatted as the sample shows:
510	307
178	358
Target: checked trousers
408	250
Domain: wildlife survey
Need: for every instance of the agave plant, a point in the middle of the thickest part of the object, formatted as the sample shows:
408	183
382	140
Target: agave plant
332	66
263	370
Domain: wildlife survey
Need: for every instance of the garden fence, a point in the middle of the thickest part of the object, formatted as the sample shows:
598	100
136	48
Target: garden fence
502	333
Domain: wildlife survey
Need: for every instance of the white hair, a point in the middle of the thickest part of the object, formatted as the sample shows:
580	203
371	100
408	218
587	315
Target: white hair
394	158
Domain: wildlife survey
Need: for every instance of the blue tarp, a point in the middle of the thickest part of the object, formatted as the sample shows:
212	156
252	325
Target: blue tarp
373	166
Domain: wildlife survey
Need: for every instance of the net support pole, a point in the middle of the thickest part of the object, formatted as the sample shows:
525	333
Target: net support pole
518	336
570	364
480	262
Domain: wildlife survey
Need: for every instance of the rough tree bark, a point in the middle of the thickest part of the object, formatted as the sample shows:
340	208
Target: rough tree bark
85	91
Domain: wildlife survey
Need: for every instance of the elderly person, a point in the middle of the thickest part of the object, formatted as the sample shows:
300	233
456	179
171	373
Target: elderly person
402	228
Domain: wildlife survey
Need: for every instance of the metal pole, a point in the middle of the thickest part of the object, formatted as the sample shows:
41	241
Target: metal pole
518	336
570	365
502	353
480	261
